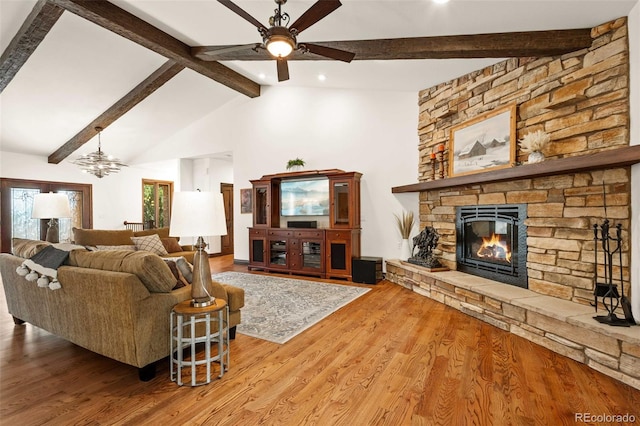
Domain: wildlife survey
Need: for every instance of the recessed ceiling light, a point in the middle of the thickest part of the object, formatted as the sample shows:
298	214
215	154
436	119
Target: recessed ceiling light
262	76
440	1
322	77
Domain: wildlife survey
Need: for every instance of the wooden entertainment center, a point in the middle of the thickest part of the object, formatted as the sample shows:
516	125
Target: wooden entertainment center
325	251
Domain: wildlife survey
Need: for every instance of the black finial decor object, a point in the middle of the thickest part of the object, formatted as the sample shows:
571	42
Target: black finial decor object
604	286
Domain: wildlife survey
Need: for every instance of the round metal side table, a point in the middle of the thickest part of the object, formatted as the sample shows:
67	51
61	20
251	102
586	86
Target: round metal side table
191	326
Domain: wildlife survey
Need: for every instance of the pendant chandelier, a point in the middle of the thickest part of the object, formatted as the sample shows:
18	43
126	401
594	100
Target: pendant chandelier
98	163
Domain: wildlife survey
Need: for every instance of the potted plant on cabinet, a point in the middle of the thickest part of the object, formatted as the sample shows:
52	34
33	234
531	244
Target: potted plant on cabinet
295	164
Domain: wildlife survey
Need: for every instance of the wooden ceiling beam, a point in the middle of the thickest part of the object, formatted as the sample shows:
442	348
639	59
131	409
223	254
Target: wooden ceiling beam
33	30
496	45
163	74
119	21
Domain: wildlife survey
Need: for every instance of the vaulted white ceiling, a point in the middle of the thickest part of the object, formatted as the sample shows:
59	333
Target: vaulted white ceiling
81	69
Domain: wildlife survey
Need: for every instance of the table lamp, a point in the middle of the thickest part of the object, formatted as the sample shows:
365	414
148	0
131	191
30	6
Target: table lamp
198	214
52	206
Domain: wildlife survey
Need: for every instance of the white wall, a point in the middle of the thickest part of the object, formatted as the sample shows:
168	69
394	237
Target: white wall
116	198
370	132
634	56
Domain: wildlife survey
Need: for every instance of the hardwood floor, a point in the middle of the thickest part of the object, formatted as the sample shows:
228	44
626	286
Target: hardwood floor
391	357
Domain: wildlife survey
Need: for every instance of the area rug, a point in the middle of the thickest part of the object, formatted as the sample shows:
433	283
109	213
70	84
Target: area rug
277	309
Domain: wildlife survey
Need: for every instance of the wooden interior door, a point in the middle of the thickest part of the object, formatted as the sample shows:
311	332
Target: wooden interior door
226	242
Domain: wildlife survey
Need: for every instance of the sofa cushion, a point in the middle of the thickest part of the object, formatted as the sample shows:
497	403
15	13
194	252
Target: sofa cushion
171	244
127	247
148	267
95	237
160	232
27	248
150	243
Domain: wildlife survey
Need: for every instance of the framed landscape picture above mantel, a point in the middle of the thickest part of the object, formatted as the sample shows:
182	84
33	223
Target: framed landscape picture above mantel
486	142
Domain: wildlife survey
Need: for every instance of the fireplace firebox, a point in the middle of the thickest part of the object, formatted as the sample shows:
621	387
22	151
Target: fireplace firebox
491	242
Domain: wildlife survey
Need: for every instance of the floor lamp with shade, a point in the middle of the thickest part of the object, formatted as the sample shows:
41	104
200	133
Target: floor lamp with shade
52	206
198	214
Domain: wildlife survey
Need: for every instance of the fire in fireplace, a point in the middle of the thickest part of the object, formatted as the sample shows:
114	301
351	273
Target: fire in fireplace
491	242
494	249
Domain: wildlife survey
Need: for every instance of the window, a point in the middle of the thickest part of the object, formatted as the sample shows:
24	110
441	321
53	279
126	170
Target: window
16	203
156	203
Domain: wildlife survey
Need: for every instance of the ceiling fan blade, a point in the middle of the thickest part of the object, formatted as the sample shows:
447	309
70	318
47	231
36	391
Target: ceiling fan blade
216	53
283	69
330	52
240	12
319	10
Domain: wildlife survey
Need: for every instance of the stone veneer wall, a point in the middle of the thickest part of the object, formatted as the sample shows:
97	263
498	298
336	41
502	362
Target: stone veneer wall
582	100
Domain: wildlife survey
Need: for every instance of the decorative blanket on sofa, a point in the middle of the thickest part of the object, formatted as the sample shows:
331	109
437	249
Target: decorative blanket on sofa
43	266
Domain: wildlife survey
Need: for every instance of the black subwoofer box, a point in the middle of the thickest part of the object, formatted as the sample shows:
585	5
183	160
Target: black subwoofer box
366	270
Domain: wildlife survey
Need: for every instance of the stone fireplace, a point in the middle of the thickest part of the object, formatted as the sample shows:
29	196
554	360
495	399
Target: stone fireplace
557	214
582	100
491	242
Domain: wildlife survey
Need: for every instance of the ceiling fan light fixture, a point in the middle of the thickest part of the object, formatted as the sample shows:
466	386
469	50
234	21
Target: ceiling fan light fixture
279	48
279	42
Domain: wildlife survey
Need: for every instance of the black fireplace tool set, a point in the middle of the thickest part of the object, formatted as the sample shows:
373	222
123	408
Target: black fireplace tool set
604	286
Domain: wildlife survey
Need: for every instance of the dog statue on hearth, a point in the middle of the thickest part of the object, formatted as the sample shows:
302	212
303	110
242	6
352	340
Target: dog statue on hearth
426	241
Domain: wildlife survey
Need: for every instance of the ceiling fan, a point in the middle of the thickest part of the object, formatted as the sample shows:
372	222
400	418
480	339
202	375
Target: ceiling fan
280	42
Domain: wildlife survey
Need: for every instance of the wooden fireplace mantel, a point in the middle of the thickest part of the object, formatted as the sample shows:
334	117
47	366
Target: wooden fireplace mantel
620	157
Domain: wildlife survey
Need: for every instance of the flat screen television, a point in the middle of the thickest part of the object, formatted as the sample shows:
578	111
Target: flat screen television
304	197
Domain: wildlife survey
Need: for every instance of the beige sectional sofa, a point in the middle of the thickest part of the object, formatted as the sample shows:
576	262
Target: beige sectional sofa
115	303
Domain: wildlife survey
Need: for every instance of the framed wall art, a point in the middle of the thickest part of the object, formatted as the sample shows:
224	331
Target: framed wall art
246	204
486	142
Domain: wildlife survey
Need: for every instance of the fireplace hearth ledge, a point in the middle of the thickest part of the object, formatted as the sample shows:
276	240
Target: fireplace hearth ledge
565	327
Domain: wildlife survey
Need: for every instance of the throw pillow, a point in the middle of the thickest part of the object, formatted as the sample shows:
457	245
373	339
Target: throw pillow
185	268
150	243
171	245
180	281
